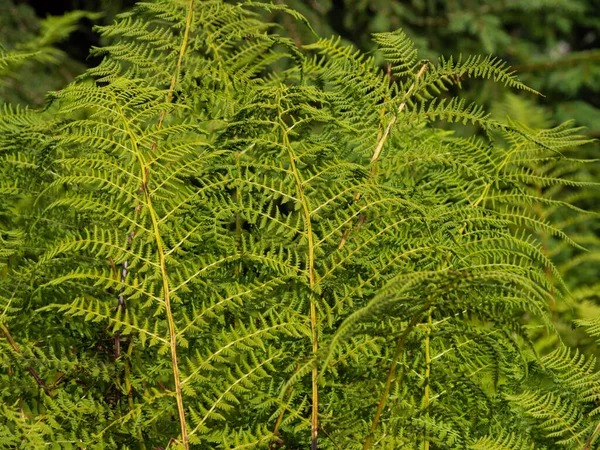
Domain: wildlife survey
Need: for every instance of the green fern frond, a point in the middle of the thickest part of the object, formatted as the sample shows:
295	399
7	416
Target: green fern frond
398	50
502	442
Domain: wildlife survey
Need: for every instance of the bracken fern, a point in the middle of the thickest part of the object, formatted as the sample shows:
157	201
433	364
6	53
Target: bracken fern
237	243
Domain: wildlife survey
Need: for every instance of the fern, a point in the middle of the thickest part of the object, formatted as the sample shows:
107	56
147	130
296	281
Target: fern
234	239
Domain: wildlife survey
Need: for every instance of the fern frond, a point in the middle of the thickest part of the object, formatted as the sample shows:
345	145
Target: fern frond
398	50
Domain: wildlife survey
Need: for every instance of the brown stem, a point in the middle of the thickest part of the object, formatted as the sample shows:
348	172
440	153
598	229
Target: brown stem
287	393
121	301
539	210
290	26
31	370
121	305
588	444
330	438
159	243
161	254
280	417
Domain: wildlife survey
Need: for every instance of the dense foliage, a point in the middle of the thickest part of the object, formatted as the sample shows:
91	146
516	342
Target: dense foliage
554	47
217	238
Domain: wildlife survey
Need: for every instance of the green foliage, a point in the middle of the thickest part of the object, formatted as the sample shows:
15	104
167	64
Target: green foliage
552	46
233	242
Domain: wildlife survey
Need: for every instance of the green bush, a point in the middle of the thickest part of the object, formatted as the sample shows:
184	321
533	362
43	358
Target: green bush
228	241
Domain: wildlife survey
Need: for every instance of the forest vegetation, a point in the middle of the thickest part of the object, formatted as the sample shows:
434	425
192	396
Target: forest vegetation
301	224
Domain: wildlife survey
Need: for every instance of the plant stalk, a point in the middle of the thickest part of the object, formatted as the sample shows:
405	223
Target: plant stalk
159	244
427	373
588	444
379	148
16	348
311	280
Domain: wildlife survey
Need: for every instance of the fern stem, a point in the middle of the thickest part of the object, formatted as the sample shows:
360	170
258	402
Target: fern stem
170	320
161	253
488	185
186	36
30	369
121	306
237	196
407	94
288	393
588	444
311	279
330	438
157	235
427	373
280	417
390	376
379	148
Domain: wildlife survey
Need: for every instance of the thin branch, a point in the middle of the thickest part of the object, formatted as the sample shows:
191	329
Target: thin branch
30	369
330	438
588	444
290	26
